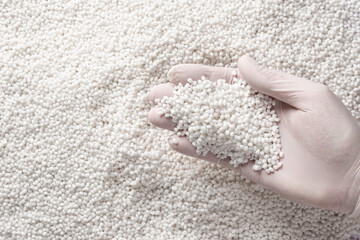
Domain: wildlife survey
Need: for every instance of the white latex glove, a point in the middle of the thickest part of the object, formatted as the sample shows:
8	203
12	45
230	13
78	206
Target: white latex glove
319	136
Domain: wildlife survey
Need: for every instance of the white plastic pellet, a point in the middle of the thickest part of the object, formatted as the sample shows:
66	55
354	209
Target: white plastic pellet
198	106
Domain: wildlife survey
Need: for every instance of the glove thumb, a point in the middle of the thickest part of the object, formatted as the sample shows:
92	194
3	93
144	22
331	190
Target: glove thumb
287	88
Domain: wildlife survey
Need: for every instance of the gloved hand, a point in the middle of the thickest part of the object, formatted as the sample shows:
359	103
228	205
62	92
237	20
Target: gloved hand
320	138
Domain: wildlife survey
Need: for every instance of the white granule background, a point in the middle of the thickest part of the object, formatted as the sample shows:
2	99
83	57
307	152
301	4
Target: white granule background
78	157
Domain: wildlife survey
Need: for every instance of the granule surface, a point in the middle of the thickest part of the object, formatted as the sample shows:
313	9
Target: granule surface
227	119
78	157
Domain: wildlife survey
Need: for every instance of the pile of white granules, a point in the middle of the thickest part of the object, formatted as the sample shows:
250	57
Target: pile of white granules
78	156
227	119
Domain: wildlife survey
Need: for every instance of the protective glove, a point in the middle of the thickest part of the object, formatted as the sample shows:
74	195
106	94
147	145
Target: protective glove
320	138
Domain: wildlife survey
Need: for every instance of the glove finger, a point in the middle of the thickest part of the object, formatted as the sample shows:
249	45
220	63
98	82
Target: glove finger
182	72
161	90
182	145
159	120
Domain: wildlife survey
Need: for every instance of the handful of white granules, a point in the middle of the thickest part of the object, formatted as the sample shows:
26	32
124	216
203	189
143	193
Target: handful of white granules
228	120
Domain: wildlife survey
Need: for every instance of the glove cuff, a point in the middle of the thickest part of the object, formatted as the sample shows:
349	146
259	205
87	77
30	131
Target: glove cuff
356	212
